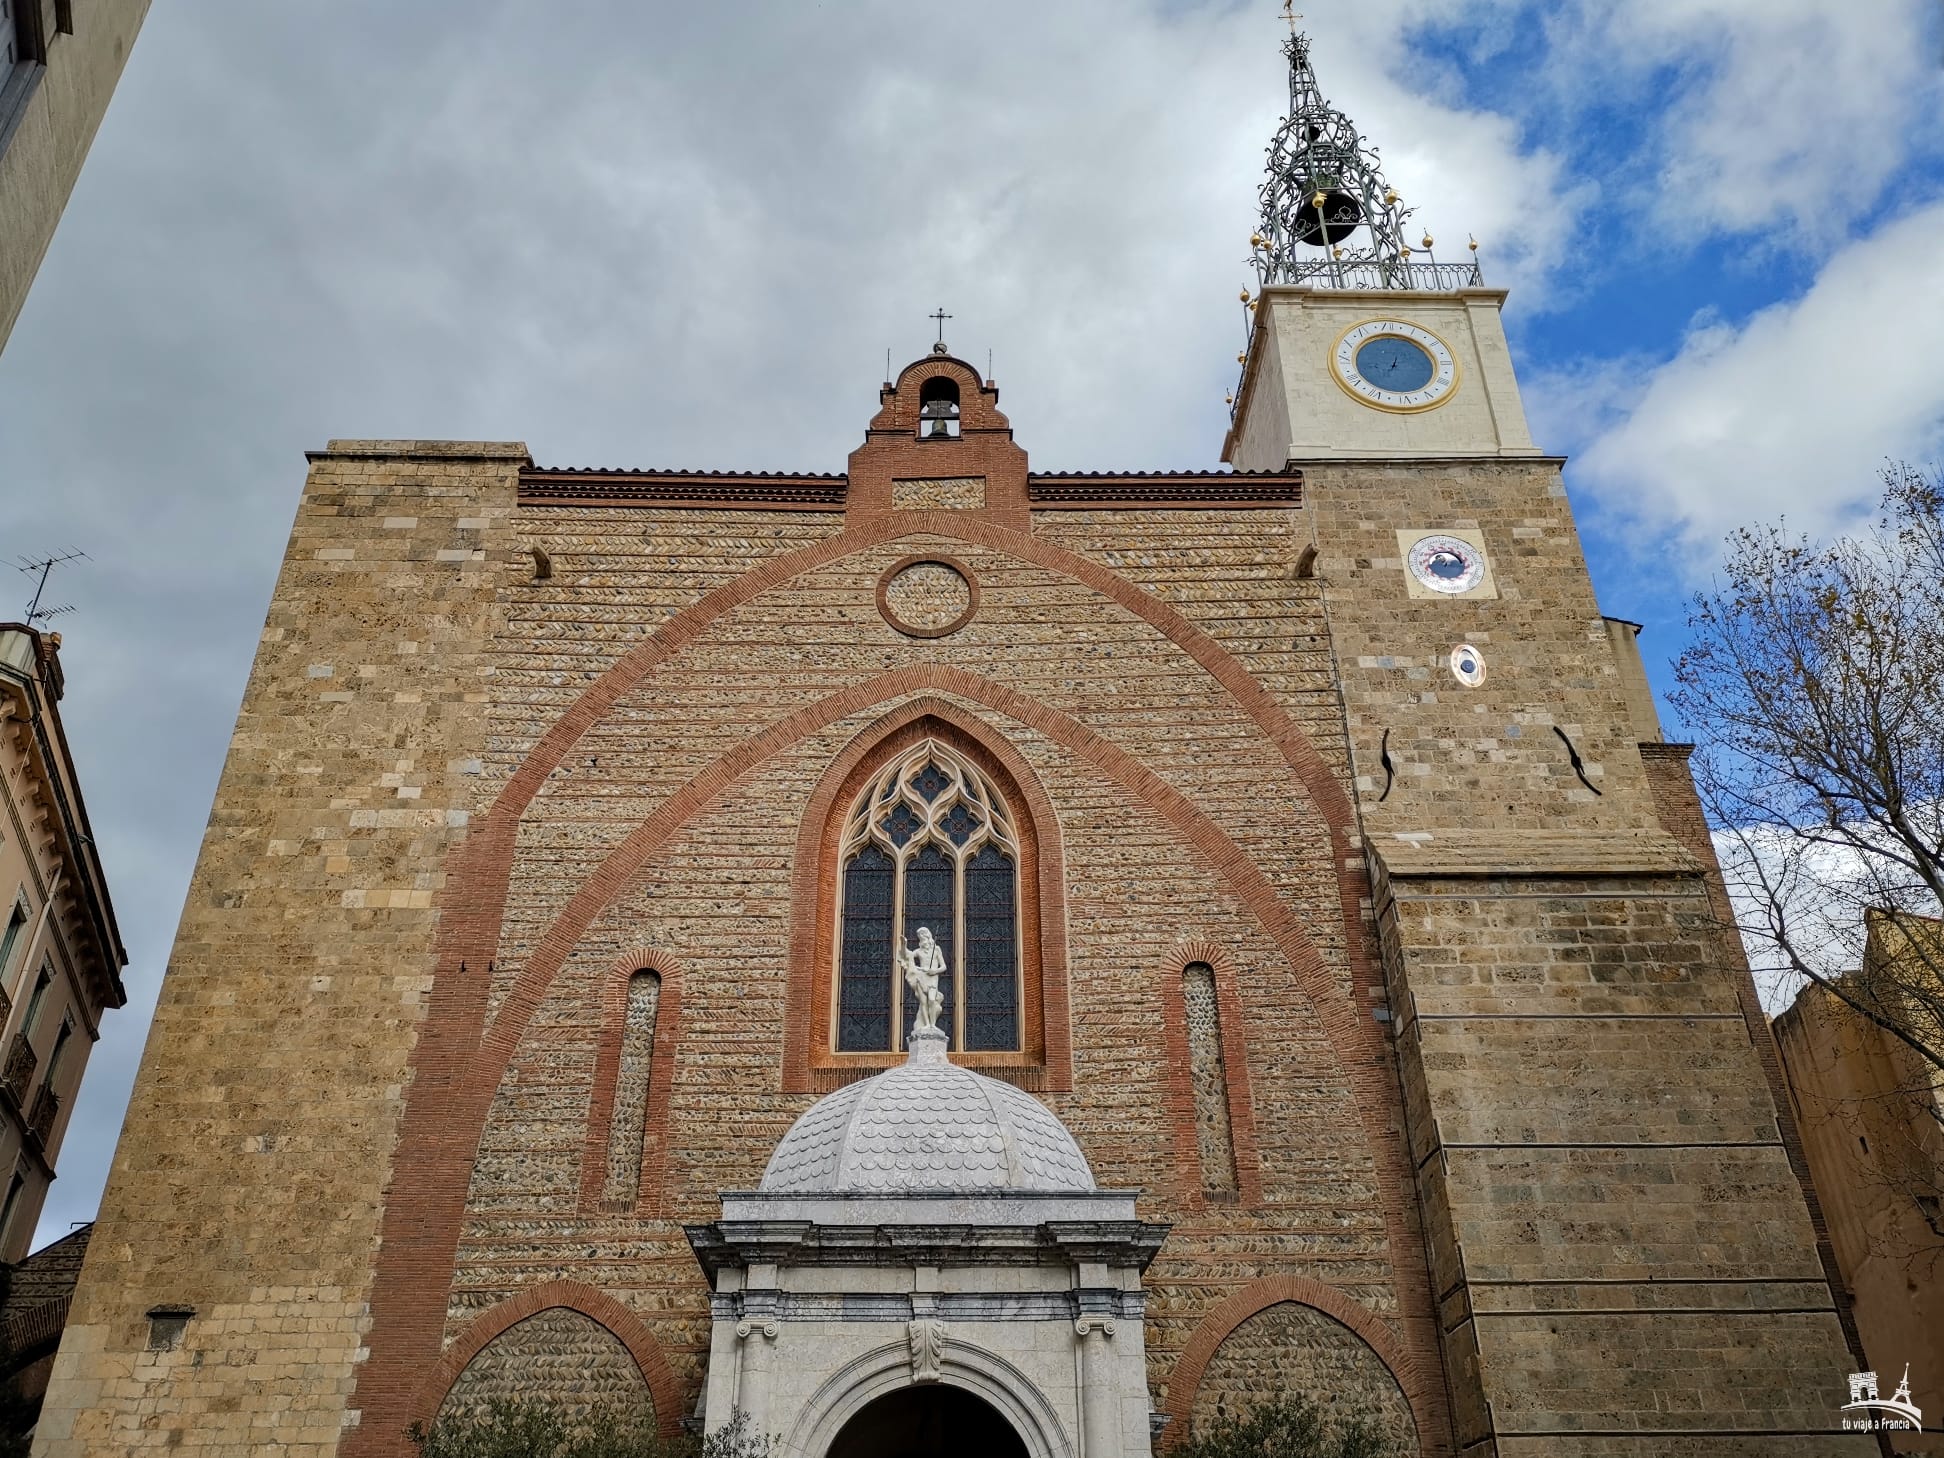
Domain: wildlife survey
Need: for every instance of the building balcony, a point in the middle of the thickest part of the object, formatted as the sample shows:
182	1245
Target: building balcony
19	1072
40	1119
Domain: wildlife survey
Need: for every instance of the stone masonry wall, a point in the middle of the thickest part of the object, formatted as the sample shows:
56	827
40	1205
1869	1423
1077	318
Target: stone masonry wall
423	663
716	897
1290	1348
1610	1204
1624	1241
557	1356
1485	757
250	1174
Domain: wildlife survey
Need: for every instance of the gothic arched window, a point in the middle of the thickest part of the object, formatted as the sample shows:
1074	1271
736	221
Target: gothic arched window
929	842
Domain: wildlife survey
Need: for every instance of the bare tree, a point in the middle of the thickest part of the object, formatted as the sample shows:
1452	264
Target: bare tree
1815	689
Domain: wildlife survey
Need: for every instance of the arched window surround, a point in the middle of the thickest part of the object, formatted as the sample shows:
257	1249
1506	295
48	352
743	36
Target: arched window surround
1044	1059
1235	1068
607	1075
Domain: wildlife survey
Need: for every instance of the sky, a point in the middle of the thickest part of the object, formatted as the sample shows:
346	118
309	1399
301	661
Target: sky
651	234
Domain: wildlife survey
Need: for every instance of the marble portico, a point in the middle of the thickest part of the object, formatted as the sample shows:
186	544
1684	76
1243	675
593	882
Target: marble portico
930	1226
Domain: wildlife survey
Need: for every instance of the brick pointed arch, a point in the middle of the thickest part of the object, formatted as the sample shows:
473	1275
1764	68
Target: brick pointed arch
1420	1391
813	883
607	1074
462	1049
453	1093
1235	1063
484	864
597	1306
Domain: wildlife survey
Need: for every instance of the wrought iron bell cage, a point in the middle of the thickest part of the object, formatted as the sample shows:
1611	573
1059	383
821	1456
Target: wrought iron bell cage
1328	217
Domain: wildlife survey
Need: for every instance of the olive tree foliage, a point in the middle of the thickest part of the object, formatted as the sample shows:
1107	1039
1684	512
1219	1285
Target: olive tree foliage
533	1429
1814	687
1288	1427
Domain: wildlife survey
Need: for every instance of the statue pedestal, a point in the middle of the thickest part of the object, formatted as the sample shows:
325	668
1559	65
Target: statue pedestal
926	1045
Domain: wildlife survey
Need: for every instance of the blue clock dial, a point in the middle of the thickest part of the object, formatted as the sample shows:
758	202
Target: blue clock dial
1396	364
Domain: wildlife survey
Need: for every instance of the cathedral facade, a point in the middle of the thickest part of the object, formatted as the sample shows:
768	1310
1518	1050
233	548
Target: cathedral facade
1036	960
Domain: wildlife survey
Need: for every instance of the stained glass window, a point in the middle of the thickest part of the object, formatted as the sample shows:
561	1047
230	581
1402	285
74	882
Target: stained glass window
930	843
991	968
864	1003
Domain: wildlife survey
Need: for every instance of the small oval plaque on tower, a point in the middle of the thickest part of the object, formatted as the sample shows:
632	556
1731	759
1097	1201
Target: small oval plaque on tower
927	597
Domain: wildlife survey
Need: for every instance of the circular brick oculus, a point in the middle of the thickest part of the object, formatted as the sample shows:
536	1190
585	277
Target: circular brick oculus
927	596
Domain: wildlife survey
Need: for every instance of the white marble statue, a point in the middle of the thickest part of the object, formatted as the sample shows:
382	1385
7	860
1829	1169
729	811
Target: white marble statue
922	966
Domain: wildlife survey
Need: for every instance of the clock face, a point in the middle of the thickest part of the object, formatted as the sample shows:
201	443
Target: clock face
1446	564
1390	365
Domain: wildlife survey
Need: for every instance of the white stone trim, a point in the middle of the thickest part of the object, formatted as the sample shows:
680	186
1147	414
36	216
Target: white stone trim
888	1368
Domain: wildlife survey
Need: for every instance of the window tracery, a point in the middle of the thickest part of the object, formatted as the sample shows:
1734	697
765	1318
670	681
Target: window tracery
929	842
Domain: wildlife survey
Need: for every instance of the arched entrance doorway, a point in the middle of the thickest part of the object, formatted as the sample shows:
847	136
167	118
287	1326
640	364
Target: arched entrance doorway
932	1421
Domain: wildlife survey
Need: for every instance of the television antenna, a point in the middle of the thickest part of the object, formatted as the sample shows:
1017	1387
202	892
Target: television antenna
41	567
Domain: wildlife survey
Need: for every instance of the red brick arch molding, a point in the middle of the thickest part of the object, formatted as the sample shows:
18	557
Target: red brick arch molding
813	875
607	1074
459	1059
617	1320
1230	1021
1422	1391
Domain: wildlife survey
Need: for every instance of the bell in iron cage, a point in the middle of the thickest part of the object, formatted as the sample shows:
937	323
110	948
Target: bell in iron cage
1325	215
938	420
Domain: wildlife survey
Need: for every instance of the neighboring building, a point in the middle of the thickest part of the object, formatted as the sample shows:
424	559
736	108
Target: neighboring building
60	952
59	62
1871	1112
1322	937
34	1297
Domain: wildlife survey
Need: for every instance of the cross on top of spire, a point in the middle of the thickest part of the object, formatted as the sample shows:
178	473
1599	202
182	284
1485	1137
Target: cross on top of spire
940	317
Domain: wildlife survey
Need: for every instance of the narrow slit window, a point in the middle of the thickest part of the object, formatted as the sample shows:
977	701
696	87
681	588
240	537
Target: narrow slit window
930	843
628	1134
1208	1074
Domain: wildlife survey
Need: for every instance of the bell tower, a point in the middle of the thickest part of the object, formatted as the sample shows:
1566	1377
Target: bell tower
1362	343
1612	1206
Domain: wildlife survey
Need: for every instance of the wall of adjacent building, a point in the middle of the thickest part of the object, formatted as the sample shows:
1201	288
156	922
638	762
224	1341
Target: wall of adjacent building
45	138
1877	1157
57	974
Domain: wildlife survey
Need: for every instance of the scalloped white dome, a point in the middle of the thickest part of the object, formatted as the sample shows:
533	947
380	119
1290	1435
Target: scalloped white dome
927	1126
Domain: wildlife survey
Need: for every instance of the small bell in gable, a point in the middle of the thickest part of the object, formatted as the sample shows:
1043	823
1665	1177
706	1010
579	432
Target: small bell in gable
938	421
938	410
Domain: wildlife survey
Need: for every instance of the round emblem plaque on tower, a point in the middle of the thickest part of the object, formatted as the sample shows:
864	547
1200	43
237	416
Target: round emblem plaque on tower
927	596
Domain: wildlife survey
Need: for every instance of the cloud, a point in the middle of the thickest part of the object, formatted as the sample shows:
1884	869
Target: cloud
1793	115
634	234
1792	411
